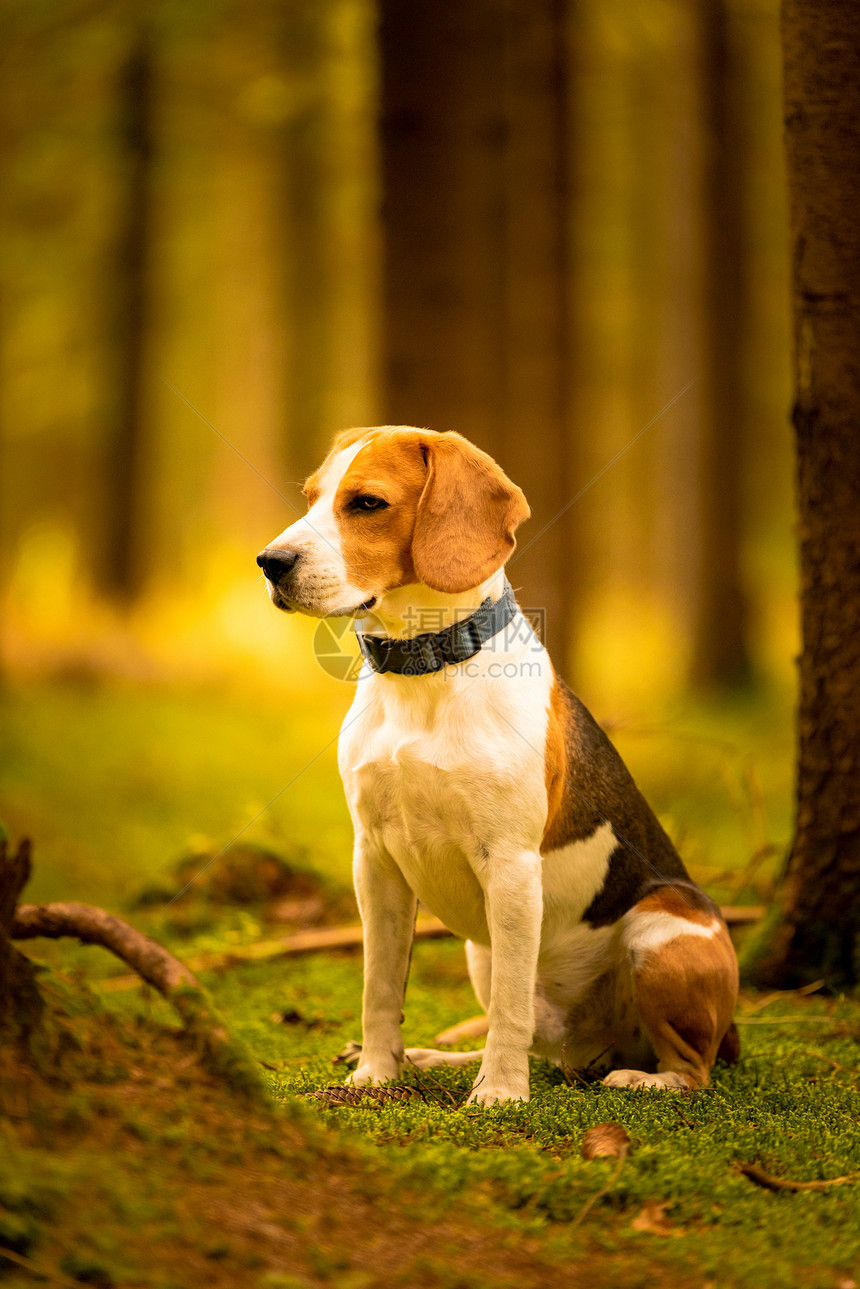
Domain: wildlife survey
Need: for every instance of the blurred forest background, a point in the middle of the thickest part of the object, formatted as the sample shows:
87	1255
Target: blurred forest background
537	223
230	230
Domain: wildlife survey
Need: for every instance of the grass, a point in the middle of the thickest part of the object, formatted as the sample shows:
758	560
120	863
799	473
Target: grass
791	1104
189	1185
135	1167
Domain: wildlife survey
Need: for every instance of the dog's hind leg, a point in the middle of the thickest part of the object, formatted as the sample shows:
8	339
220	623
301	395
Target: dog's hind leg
685	981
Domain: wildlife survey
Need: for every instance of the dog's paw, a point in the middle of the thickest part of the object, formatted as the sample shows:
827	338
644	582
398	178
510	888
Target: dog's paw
365	1076
639	1079
487	1094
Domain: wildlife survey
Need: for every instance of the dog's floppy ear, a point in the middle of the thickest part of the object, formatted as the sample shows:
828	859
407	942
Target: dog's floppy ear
467	515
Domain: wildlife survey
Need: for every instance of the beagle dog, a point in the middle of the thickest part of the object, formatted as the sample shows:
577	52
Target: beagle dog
478	784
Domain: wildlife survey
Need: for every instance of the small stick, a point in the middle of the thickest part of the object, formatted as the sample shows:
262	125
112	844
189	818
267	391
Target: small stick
683	1116
55	1277
819	1056
416	1074
802	992
567	1070
783	1020
771	1183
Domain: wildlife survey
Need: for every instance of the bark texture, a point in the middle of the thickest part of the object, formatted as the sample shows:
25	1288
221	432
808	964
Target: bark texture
20	1000
818	927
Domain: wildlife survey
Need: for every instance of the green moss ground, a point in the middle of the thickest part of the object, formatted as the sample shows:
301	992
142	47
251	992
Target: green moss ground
133	1166
792	1104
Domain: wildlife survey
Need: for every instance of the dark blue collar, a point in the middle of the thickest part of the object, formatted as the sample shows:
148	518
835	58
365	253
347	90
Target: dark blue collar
421	655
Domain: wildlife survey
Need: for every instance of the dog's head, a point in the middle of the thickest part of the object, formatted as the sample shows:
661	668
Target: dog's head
390	507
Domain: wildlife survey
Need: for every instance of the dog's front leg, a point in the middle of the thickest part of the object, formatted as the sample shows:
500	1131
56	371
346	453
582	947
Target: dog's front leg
514	904
387	907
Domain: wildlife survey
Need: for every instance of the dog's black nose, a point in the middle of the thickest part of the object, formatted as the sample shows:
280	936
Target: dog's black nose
277	563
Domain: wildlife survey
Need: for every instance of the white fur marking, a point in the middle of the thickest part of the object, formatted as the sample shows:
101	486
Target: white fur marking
322	586
574	874
645	932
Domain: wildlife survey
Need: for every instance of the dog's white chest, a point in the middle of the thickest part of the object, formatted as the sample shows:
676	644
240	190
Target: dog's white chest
443	800
424	820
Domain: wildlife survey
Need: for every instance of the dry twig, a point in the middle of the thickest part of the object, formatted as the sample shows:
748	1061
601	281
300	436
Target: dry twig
771	1183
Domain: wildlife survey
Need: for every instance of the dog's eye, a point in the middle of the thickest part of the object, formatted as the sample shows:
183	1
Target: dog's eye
366	504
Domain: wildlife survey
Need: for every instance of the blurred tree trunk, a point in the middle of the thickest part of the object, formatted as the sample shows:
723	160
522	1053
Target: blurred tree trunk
537	443
443	140
719	654
817	931
307	264
20	1000
329	217
120	549
476	157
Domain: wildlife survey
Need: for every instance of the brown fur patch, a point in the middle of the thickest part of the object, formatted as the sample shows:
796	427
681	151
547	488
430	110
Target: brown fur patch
555	770
467	516
670	900
346	438
377	546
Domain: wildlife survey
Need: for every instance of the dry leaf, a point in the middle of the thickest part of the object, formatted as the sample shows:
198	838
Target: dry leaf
653	1219
605	1140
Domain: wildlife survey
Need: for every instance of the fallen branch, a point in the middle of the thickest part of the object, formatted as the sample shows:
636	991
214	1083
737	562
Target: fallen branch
338	937
742	914
153	964
757	1175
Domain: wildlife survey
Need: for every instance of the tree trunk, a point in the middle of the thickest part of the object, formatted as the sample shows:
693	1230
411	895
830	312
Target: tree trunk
720	655
817	932
536	440
20	1000
443	139
121	547
476	268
